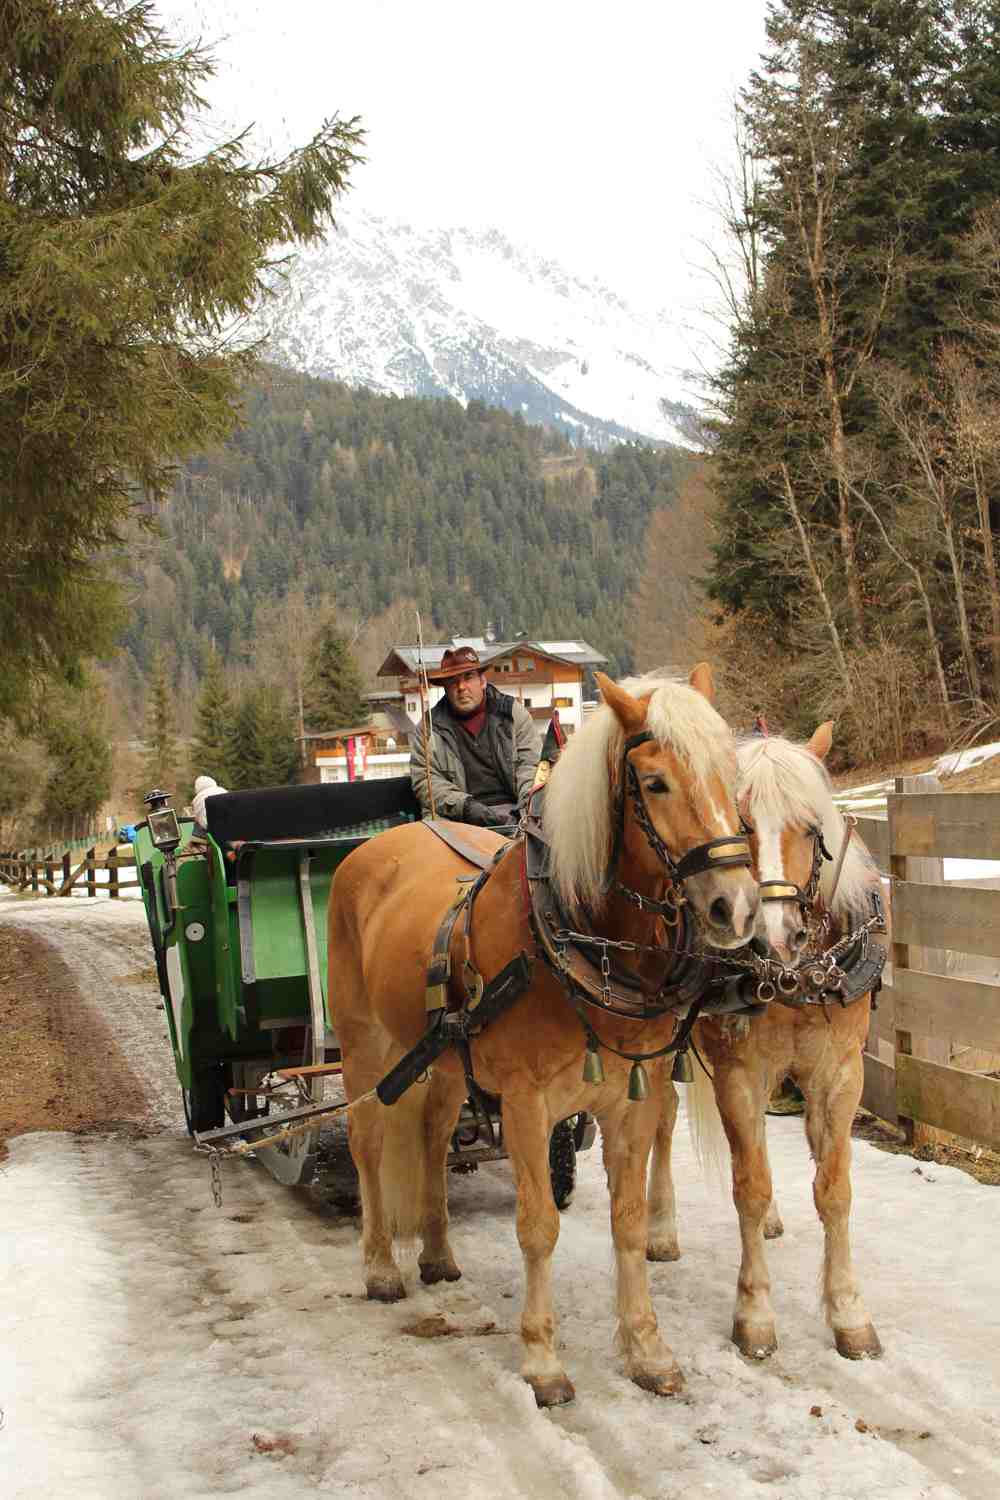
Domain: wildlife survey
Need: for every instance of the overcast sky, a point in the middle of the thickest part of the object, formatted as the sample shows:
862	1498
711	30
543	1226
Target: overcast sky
588	131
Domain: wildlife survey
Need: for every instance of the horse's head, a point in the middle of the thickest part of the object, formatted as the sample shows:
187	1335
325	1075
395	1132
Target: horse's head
796	834
645	795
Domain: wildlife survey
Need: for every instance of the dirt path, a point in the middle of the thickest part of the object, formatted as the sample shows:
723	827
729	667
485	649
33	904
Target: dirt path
80	1012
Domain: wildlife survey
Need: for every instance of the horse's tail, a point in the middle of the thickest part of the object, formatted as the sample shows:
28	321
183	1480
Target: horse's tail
705	1124
404	1161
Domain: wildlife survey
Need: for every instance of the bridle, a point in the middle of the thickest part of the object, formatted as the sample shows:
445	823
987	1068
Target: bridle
787	890
731	851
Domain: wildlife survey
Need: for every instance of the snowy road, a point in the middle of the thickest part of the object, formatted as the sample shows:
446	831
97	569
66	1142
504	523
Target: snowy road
154	1346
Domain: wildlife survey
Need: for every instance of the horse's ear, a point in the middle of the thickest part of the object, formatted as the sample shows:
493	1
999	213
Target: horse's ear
821	741
701	681
630	712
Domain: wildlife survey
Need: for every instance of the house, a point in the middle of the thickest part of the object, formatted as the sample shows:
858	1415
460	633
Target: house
362	752
540	674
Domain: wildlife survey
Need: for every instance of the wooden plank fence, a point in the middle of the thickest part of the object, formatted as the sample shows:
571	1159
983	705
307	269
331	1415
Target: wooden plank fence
24	871
940	1002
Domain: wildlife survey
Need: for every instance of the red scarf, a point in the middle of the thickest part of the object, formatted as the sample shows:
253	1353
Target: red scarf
473	723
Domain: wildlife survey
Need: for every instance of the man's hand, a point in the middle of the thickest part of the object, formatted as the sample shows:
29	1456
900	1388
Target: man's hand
489	817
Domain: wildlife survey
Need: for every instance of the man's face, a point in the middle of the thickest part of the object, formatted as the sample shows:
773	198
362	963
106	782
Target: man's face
465	693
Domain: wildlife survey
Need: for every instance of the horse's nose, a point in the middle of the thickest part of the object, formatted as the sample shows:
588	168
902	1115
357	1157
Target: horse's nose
798	937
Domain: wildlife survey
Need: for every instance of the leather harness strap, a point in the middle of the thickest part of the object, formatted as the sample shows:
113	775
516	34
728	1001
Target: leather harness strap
447	832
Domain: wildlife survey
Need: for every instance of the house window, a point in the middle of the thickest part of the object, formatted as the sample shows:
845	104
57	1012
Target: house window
562	702
525	664
527	702
411	705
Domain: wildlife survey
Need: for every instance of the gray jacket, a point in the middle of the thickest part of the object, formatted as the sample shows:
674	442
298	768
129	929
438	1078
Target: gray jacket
513	741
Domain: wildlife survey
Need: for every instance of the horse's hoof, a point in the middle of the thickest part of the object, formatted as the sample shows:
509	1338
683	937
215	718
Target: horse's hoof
755	1340
858	1343
774	1230
663	1250
660	1382
557	1390
432	1271
384	1289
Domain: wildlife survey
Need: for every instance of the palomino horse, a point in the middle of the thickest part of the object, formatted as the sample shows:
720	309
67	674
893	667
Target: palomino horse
786	799
639	805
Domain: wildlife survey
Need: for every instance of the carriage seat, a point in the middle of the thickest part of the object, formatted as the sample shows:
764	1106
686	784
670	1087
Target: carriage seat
277	813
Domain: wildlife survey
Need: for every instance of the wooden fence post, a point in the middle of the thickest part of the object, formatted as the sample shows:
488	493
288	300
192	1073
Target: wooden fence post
34	875
91	872
50	877
924	870
112	864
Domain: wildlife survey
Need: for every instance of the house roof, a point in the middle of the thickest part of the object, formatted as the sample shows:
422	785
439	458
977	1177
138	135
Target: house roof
406	660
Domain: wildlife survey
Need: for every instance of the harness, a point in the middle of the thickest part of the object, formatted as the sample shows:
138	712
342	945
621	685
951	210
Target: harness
690	985
850	967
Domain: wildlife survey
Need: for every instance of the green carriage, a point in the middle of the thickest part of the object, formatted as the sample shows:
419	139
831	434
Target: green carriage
237	918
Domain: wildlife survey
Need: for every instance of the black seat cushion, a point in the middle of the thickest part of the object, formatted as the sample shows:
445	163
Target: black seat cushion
302	812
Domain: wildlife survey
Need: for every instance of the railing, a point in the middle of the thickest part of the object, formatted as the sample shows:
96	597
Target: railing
941	1000
57	876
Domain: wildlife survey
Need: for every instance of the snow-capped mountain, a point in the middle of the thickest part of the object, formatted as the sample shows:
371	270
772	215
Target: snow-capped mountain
455	312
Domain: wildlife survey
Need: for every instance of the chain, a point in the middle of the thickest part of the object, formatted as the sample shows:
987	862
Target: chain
216	1166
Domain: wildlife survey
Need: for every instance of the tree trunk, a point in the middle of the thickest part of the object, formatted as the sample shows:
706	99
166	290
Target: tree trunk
965	635
845	528
989	559
817	580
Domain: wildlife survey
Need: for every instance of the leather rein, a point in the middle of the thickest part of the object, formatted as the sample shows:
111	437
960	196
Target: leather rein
603	984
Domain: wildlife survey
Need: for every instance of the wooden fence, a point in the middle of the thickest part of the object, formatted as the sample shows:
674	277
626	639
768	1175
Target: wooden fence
56	876
940	1003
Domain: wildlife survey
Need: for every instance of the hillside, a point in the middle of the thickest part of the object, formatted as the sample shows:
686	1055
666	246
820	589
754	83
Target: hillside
470	513
471	315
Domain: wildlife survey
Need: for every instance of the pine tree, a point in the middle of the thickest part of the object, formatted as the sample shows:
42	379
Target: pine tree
125	253
80	762
160	764
210	744
262	749
334	696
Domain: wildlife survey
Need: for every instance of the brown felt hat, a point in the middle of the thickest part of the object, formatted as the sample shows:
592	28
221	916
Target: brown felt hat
453	664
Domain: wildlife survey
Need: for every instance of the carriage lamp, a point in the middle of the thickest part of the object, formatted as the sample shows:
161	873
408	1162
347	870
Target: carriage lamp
164	829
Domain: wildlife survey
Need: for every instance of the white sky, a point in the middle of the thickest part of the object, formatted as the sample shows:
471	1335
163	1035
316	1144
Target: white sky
586	131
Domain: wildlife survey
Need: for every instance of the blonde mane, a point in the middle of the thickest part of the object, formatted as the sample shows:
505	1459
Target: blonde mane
788	785
582	790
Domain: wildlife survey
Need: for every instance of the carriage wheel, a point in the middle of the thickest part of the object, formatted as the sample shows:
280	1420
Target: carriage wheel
562	1162
205	1100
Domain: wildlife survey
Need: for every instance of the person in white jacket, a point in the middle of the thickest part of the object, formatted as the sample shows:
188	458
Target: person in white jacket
204	787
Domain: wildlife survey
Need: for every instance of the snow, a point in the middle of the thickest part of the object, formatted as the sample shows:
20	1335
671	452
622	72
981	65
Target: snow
401	310
147	1338
961	760
153	1335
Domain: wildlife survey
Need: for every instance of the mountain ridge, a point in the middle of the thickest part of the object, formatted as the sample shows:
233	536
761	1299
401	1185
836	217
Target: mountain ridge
471	315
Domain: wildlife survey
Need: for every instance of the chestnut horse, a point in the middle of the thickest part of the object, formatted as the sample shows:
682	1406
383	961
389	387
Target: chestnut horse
786	799
649	778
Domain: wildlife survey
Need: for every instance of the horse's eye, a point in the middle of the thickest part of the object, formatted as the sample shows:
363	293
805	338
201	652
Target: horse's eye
656	784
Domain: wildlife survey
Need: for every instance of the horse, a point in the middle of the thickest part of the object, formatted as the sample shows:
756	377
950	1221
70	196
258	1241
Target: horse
809	897
639	808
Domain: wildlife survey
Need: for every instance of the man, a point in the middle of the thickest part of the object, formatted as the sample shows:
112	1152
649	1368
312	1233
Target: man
483	751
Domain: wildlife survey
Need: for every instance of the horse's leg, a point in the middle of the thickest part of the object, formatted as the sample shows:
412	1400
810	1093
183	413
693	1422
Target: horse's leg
443	1105
662	1241
832	1097
740	1091
526	1133
364	1048
773	1226
627	1133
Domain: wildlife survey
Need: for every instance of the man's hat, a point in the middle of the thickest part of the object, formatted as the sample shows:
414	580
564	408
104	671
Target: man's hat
453	664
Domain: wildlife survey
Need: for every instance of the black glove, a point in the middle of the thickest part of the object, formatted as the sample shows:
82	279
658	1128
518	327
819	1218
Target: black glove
488	817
